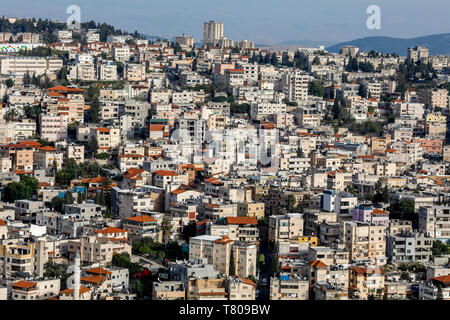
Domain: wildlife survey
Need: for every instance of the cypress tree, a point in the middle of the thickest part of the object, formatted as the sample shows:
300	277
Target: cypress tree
232	271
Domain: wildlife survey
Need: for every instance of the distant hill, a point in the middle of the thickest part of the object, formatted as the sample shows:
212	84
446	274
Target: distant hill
295	43
152	37
437	43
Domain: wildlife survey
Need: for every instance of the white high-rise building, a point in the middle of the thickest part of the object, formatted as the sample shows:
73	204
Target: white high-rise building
212	32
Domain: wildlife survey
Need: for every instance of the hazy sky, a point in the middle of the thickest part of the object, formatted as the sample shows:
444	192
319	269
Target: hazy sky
262	21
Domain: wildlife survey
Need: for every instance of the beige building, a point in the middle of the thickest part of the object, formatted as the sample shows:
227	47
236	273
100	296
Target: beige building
206	289
240	288
134	72
20	65
365	241
435	221
100	248
75	152
48	158
168	290
395	290
39	290
108	138
67	294
436	98
140	227
364	282
285	227
289	287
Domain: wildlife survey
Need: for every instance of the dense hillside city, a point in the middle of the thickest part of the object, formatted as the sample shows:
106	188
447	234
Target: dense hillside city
173	169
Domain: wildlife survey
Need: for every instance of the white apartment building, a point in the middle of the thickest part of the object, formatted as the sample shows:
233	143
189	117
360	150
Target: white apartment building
53	127
295	85
19	65
212	32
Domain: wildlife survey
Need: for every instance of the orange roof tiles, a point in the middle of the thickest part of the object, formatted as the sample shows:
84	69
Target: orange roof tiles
132	172
200	223
178	191
31	143
110	230
65	89
248	281
242	220
224	240
156	127
444	279
318	264
98	270
378	211
93	279
131	155
47	148
366	157
70	291
166	173
97	180
24	284
142	218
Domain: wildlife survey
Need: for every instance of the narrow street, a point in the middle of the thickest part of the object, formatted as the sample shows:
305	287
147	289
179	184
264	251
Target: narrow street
264	291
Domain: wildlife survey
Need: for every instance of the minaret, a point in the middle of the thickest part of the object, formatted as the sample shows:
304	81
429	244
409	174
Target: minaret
76	273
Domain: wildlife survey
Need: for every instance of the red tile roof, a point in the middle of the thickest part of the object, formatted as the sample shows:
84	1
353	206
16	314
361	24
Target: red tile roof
70	291
444	279
132	172
65	89
142	218
98	270
47	148
318	264
24	284
242	220
93	279
110	230
167	173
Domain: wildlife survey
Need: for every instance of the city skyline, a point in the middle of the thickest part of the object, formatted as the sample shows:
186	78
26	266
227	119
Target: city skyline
323	21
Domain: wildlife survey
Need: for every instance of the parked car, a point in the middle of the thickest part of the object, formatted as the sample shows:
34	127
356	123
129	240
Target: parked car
264	281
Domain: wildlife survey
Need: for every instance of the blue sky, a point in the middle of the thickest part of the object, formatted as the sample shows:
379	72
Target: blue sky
262	21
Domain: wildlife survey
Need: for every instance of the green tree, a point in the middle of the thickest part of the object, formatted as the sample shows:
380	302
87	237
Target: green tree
54	270
336	109
95	111
190	230
232	271
273	59
352	65
56	204
79	197
93	146
261	260
138	288
10	83
274	266
315	88
69	198
24	189
107	214
263	221
291	202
